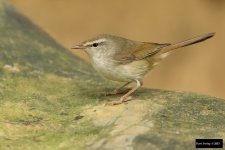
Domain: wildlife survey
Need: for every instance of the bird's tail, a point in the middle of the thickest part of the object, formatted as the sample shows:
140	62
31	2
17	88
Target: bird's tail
191	41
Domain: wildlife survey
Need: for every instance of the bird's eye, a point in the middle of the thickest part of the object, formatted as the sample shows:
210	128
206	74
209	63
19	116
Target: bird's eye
95	44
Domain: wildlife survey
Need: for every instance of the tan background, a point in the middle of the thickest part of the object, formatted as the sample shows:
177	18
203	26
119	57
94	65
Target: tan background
198	68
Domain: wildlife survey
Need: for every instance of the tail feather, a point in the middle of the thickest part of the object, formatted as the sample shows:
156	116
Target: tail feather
191	41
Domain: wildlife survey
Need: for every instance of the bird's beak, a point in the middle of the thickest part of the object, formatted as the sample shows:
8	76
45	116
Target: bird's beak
78	46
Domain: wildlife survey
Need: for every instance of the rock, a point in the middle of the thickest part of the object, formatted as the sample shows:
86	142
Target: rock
50	99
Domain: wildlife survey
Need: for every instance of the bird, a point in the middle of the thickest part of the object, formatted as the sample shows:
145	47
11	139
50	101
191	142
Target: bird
124	60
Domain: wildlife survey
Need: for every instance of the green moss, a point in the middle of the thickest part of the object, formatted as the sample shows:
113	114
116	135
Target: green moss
184	118
50	99
40	93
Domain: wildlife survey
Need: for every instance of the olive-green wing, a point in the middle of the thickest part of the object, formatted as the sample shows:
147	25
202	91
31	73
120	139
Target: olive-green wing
139	52
147	49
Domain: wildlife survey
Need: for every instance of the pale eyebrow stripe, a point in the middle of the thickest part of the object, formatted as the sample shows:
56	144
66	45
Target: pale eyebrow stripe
96	41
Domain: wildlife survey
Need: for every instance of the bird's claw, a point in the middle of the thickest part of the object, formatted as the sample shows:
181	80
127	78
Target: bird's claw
118	102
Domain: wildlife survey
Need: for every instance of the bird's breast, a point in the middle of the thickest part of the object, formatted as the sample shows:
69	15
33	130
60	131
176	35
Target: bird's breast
120	72
106	67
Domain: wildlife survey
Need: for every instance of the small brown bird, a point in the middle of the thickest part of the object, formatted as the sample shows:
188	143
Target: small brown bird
124	60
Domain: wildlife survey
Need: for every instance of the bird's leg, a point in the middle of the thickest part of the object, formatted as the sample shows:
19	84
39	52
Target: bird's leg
118	90
127	97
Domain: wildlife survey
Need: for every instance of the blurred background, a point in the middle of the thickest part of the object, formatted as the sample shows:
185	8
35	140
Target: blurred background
198	68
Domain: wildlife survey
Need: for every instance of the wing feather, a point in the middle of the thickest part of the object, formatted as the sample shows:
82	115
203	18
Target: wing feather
139	52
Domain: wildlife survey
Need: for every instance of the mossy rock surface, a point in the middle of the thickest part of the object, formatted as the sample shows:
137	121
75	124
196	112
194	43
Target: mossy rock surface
50	99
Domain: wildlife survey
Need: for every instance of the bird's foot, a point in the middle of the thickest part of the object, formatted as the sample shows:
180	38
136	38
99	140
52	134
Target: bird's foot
123	99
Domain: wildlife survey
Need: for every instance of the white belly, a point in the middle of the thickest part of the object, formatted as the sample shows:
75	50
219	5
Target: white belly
123	73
